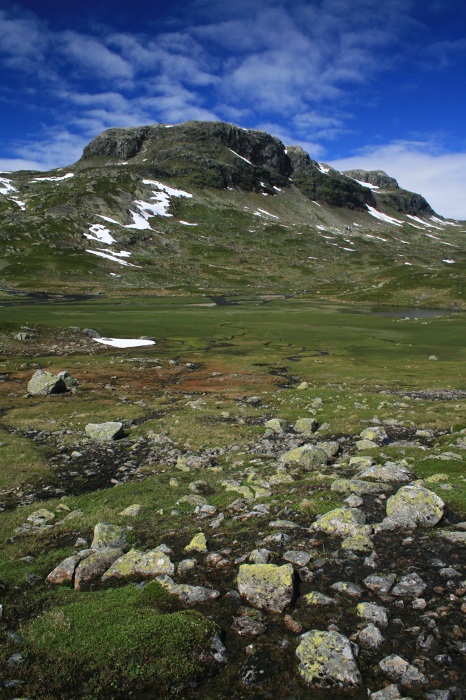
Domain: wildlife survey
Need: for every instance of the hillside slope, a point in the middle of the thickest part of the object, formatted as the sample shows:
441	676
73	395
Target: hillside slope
207	207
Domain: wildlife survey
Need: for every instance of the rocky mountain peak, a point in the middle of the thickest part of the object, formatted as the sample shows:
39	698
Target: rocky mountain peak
378	178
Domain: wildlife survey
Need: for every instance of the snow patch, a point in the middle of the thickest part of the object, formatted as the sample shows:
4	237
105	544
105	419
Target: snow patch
186	223
383	217
99	233
323	168
259	212
53	179
124	342
242	158
366	184
114	257
278	189
450	262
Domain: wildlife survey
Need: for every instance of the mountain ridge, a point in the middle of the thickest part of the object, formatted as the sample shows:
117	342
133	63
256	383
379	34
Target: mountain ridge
211	207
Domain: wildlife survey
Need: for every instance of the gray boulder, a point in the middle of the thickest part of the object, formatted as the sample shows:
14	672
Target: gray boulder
327	660
94	566
43	383
104	432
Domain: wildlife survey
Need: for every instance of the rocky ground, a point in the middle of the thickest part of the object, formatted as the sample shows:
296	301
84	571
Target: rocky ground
325	564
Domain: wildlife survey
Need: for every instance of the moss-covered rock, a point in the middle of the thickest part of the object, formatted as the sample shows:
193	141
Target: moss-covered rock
266	586
327	660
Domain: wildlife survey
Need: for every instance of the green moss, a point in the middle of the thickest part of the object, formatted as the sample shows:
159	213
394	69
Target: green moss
115	640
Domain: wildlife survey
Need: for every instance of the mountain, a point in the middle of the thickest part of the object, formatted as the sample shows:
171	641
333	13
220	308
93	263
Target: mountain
207	207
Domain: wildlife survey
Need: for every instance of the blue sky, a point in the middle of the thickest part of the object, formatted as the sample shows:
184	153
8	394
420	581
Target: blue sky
356	83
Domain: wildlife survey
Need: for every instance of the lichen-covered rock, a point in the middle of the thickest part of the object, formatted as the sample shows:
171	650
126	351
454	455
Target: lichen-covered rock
135	564
308	457
266	586
348	589
43	383
132	510
390	473
107	535
376	614
414	506
104	432
327	660
94	566
358	542
357	486
376	434
197	544
191	595
305	426
277	425
341	521
317	599
365	445
41	517
331	447
454	537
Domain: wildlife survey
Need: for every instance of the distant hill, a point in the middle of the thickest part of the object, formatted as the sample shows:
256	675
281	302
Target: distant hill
207	207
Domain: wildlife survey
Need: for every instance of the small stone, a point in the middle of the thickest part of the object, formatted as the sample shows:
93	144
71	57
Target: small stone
370	637
351	590
373	613
260	556
246	626
131	511
197	544
292	625
410	586
302	386
358	543
94	566
298	558
391	692
380	583
317	599
186	565
41	516
400	671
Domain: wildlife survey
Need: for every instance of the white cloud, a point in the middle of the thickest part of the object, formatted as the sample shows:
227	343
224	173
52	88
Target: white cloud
418	167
